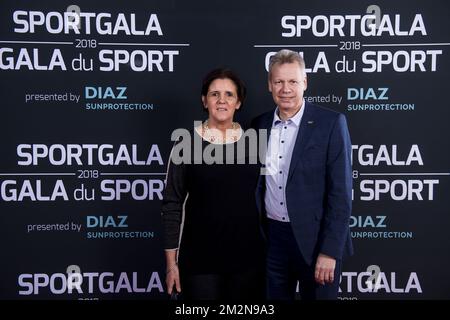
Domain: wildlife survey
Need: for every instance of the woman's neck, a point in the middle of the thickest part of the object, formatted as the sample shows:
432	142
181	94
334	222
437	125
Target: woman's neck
220	134
221	126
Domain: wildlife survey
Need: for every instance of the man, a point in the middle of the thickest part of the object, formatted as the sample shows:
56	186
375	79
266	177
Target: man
306	191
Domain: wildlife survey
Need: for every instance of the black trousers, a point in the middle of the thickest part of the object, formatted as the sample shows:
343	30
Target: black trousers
285	266
247	285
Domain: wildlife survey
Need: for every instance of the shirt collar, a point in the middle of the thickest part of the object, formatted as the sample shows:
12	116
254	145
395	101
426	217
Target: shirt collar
295	119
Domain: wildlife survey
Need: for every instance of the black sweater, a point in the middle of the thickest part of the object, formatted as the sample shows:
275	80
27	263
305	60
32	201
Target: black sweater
221	230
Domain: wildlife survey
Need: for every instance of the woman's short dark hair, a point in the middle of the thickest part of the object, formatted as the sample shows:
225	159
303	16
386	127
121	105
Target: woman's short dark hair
224	73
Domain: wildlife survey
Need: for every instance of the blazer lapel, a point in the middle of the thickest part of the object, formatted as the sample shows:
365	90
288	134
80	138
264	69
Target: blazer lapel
267	124
304	133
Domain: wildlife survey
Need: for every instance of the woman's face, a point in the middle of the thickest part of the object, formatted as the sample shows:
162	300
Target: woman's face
221	101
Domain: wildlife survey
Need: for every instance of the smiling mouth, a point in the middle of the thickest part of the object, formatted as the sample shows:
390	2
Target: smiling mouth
221	109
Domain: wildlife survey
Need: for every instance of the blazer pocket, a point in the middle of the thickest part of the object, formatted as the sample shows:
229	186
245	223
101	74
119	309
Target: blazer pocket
315	152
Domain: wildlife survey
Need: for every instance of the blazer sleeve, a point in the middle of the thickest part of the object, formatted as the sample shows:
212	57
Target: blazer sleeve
338	190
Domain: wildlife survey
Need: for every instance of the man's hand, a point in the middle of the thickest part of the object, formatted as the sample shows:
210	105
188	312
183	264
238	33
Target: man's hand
324	272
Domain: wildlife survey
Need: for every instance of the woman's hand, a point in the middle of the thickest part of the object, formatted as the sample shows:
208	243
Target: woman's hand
173	278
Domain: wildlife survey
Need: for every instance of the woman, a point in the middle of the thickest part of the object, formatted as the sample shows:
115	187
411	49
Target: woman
221	252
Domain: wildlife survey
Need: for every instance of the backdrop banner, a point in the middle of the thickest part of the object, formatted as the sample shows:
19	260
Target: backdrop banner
91	92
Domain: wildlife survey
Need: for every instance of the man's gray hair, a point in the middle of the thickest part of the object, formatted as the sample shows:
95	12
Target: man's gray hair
286	56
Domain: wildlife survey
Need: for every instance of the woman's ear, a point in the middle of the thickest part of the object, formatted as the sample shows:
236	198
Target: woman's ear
204	102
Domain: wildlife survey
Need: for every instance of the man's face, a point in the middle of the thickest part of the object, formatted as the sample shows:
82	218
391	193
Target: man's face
287	84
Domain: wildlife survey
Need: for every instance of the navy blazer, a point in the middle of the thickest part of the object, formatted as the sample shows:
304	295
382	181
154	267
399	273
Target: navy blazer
319	184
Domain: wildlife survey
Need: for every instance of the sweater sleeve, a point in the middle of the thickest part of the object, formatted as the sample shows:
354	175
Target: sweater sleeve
172	205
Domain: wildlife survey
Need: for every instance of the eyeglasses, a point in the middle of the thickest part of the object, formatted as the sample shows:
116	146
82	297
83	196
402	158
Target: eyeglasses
216	95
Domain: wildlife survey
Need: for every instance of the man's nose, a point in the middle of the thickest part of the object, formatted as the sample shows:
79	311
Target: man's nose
285	87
